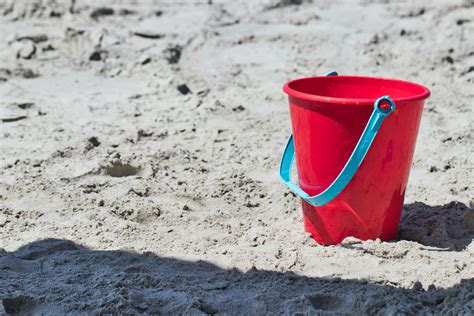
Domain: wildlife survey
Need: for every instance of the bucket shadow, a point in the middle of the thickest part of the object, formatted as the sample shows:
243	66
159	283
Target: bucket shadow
449	226
60	277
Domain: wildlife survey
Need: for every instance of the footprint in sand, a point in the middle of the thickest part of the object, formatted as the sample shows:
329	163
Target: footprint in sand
325	302
119	169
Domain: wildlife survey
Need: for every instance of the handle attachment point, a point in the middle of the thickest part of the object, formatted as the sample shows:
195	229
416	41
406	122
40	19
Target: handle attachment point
384	110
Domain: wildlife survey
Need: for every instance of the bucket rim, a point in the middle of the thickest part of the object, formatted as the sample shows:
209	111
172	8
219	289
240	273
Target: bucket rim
352	101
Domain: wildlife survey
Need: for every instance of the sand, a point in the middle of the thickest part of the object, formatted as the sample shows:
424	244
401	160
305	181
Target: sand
140	145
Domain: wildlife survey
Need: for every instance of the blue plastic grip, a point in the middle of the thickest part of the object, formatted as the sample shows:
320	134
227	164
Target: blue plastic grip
352	165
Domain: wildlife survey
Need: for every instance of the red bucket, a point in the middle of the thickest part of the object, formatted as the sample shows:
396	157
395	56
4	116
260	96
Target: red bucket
328	116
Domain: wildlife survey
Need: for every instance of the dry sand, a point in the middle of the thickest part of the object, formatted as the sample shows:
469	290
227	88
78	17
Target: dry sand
140	144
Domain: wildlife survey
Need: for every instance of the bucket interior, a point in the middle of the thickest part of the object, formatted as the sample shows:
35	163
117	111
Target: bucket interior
352	89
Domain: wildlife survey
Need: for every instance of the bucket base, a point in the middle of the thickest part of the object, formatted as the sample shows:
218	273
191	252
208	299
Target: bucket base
331	232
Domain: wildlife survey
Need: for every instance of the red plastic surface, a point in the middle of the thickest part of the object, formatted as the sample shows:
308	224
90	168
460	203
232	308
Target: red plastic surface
328	115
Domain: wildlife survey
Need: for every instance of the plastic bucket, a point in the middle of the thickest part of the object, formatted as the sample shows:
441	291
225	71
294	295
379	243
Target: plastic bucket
354	139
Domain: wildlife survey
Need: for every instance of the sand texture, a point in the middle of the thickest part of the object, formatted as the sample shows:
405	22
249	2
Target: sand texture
139	152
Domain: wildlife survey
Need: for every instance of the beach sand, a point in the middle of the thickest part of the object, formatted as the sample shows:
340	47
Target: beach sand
139	152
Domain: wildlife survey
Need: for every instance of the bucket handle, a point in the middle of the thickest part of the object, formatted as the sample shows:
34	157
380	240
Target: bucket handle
354	162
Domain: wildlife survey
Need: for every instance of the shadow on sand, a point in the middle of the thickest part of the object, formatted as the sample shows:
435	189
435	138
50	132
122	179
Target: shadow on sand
449	226
59	277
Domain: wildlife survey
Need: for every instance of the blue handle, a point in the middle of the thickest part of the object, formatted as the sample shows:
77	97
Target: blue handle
354	162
